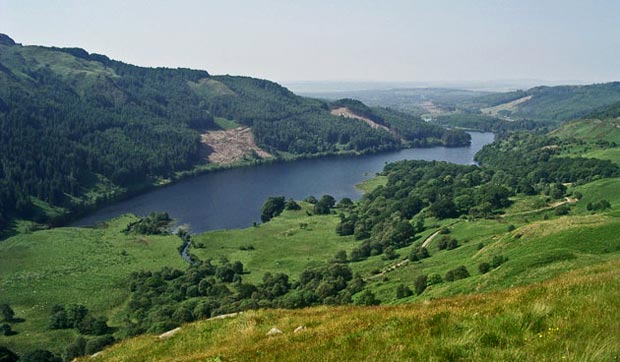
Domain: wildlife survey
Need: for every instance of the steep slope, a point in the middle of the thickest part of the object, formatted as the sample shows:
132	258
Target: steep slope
79	129
409	128
572	317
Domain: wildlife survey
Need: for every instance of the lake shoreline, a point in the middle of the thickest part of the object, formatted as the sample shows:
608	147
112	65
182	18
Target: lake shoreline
232	197
69	219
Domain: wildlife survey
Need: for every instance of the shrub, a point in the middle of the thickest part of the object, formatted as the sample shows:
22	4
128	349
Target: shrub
599	205
420	284
6	355
434	279
292	205
390	253
6	330
40	355
76	348
340	257
457	273
6	313
498	260
96	344
484	267
419	254
94	326
272	208
447	243
367	298
345	203
323	206
403	291
562	210
311	199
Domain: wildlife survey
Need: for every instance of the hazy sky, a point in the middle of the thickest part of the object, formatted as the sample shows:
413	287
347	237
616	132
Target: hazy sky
286	40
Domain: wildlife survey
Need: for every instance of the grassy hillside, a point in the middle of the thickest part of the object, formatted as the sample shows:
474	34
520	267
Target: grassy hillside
596	138
590	130
536	242
74	266
572	317
90	267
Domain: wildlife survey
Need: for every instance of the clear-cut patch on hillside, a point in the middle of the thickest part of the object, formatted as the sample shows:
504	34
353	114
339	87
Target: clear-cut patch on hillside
228	146
346	112
510	106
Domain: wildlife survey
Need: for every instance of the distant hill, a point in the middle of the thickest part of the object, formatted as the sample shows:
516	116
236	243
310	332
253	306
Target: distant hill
551	104
79	128
411	100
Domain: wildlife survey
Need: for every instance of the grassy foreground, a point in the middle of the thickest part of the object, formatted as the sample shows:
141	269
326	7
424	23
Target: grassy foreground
569	318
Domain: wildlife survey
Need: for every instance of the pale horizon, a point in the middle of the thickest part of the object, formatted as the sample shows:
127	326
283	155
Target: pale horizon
553	42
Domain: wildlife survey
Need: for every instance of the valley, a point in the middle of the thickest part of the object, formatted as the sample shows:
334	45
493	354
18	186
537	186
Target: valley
159	214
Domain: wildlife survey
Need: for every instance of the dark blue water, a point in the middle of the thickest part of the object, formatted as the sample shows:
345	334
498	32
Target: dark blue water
232	198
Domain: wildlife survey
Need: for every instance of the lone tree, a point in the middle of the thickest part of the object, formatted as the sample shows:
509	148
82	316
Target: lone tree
457	273
484	267
292	205
7	313
324	205
420	284
272	208
403	291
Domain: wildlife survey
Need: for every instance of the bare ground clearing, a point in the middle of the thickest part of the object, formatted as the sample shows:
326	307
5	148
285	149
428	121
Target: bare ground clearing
228	146
346	112
510	106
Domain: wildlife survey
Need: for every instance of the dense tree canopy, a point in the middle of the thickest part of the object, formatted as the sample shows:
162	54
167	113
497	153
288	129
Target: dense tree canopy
71	121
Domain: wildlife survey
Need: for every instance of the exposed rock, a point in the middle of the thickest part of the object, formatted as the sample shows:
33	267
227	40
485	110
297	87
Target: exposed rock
274	331
170	333
299	329
222	316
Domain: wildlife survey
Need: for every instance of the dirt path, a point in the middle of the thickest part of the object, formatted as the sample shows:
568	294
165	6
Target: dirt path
231	145
388	269
392	267
346	112
567	200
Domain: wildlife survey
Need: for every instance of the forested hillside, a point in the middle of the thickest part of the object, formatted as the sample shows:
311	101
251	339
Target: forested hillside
80	128
550	104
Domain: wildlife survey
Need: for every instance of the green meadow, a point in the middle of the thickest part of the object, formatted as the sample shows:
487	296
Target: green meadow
87	266
288	243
